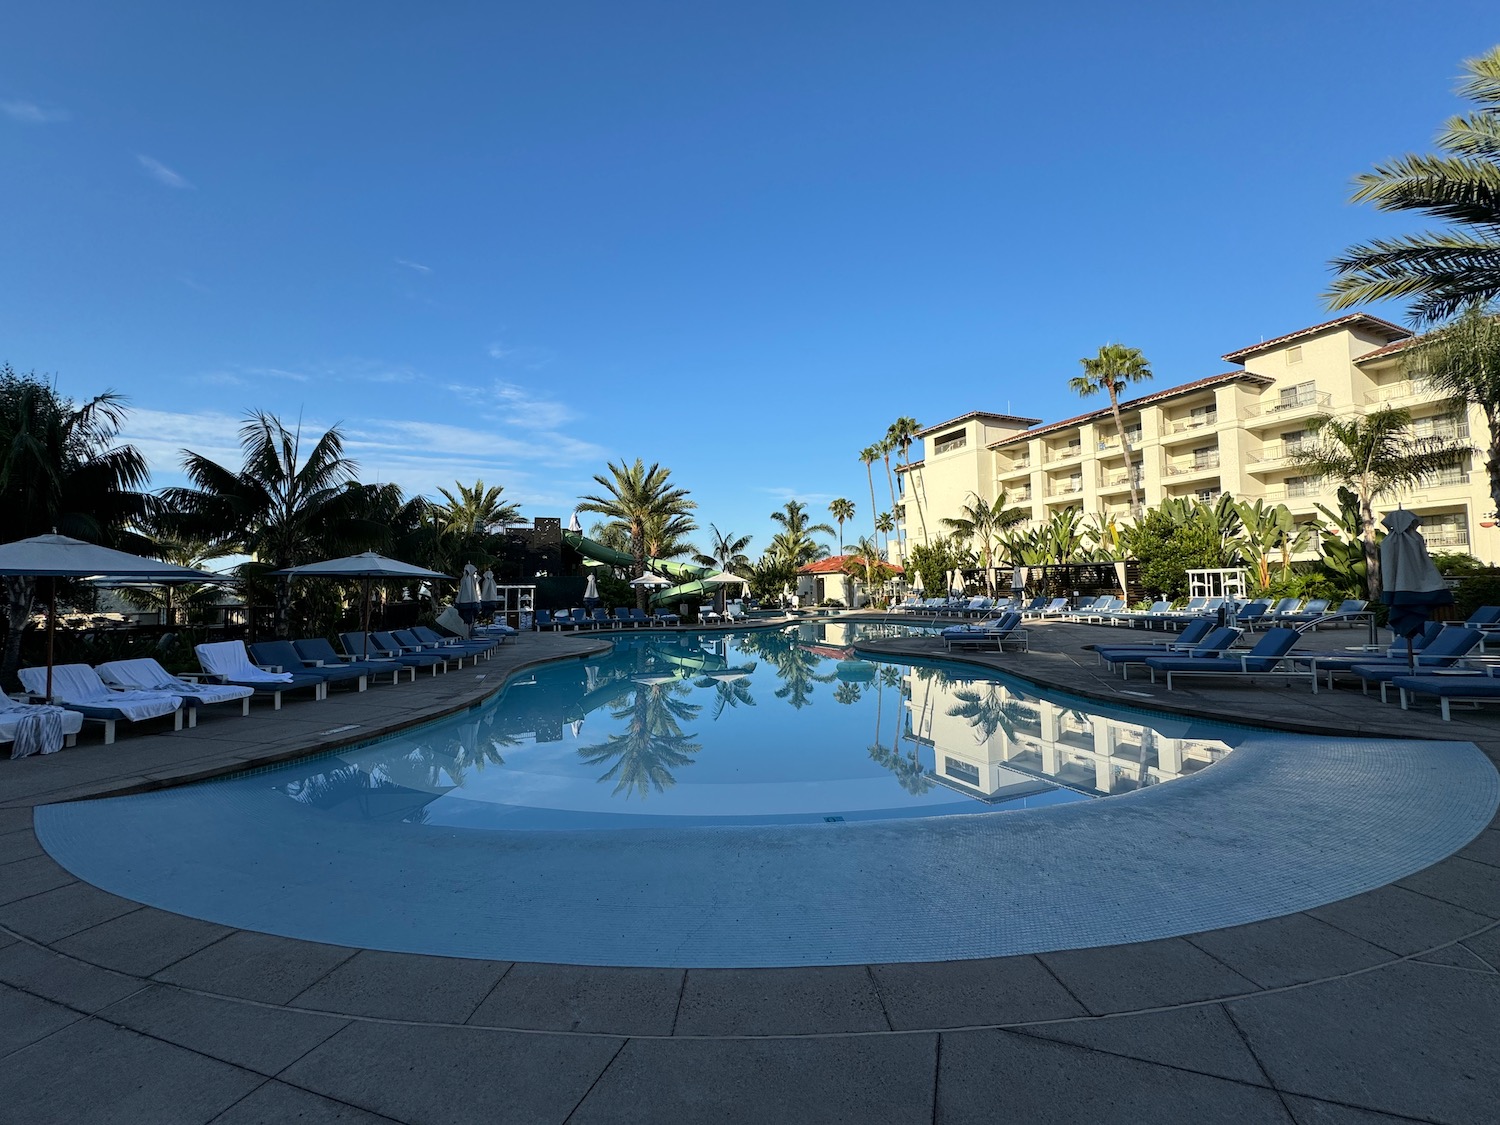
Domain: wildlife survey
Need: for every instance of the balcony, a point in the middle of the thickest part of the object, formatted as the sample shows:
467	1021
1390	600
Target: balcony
1275	454
1209	462
1015	468
1071	488
1399	391
1066	453
1439	487
1307	492
1447	537
1020	496
1282	410
1120	482
950	445
1197	422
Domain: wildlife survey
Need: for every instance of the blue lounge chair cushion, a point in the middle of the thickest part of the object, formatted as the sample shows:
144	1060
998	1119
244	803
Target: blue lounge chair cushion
1264	657
319	649
284	654
1477	686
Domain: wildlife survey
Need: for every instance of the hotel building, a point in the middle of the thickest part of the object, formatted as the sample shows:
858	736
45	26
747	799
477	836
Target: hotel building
1235	432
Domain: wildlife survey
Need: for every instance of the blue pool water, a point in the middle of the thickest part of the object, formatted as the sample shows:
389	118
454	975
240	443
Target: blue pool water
760	727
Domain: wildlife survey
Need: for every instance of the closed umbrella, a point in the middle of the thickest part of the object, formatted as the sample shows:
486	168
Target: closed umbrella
489	593
368	567
1410	582
591	593
916	581
58	556
467	601
574	526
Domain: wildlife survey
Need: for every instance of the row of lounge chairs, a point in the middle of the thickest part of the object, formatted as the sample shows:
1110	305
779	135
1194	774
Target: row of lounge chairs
232	672
627	617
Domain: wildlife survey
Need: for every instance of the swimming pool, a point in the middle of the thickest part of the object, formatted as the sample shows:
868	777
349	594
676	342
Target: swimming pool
769	798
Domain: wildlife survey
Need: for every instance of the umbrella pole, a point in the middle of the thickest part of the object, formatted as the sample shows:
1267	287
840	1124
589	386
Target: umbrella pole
365	614
51	631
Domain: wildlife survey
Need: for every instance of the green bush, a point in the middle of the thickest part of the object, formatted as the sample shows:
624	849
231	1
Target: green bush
1476	590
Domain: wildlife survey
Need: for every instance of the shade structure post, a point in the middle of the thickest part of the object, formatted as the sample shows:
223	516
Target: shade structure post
51	632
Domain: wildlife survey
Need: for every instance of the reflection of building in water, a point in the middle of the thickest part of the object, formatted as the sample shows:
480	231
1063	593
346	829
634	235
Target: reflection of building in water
987	739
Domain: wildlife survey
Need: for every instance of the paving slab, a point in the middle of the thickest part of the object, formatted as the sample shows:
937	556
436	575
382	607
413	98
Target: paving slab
63	979
1310	1111
20	844
454	1076
1400	920
1289	950
1484	848
253	1036
93	1071
55	914
142	942
1146	974
25	1018
1486	946
1459	882
404	986
256	966
14	819
994	990
1199	1037
574	998
986	1077
779	1001
276	1103
1409	1038
28	877
860	1080
1456	956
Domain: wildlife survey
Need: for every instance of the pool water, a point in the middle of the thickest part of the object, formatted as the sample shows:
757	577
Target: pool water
759	727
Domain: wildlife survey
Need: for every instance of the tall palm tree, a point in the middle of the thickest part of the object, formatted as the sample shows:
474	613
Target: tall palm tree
1463	359
841	510
62	467
283	506
1374	455
886	446
984	524
634	496
903	431
1112	370
726	551
476	510
885	523
794	542
869	455
1441	272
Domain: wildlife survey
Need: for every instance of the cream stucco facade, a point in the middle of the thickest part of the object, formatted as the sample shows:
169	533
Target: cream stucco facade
1232	432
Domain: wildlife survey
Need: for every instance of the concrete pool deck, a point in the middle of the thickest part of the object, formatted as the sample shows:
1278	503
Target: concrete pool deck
1381	1007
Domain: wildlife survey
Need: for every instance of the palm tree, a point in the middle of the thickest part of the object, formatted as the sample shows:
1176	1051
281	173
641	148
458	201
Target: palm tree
281	507
726	551
903	431
61	467
1374	455
869	455
984	524
886	446
1463	359
635	496
476	510
1442	272
885	523
841	510
1112	370
794	542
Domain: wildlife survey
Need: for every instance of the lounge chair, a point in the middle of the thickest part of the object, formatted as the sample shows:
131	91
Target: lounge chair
79	688
1267	658
1214	643
1195	632
660	618
20	723
621	617
708	615
1445	649
1310	613
320	653
383	646
541	619
1475	688
1251	614
1101	612
1150	617
478	646
393	643
229	662
145	674
602	620
1282	608
734	612
1055	608
282	656
1004	630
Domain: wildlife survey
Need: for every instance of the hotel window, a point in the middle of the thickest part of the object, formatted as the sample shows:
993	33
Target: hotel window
1449	426
961	771
1295	441
1204	415
1294	354
1206	457
949	442
1303	394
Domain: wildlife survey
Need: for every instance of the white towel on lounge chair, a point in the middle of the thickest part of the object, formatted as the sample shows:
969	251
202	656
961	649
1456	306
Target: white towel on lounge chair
80	685
14	715
230	660
146	674
38	731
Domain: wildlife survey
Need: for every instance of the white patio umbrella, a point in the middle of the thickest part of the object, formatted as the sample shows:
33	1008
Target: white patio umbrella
725	579
574	526
489	593
916	581
369	568
58	556
650	580
591	591
1409	580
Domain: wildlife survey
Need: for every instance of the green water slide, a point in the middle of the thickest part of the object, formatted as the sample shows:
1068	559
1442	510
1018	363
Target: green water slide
690	575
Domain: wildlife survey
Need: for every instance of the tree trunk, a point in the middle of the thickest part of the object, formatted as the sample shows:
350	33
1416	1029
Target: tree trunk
874	513
20	593
921	515
1372	552
1135	494
890	481
1492	465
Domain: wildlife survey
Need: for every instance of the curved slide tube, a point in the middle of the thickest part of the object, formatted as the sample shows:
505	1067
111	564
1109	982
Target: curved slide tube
693	585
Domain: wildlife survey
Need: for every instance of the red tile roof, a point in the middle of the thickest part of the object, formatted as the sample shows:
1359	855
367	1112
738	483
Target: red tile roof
1362	320
1135	403
976	414
917	464
834	564
1389	349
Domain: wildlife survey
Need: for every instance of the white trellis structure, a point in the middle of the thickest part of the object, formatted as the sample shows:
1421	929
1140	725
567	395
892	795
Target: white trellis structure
1228	583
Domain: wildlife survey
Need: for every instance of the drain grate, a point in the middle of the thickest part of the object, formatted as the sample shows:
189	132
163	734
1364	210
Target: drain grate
833	820
342	729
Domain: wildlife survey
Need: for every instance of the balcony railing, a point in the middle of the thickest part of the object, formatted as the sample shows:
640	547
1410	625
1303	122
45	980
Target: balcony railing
1319	400
1020	496
950	445
1121	480
1072	488
1307	491
1196	465
1015	467
1064	454
1404	388
1447	537
1197	422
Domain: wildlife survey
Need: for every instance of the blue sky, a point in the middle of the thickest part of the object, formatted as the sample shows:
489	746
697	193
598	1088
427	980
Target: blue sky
516	241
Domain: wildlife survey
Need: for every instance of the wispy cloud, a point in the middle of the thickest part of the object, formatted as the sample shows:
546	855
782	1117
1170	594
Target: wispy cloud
161	173
192	283
418	267
530	356
811	499
514	405
30	113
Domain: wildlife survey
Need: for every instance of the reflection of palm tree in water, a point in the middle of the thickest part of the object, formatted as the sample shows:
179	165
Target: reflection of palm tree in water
728	693
988	712
796	667
652	744
910	774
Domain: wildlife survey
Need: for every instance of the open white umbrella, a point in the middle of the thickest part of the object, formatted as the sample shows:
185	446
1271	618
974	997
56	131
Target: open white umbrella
650	580
725	579
369	568
58	556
